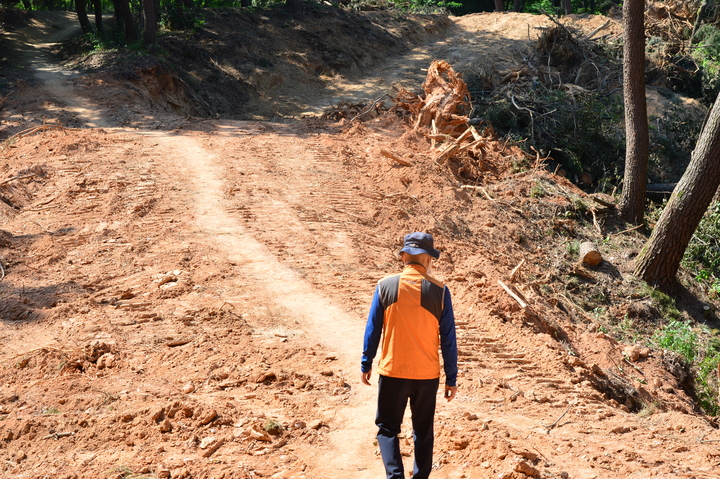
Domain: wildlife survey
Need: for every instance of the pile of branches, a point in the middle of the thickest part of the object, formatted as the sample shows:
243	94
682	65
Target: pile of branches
354	111
565	59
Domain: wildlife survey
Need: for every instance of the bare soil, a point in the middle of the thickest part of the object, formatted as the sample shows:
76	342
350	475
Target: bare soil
186	297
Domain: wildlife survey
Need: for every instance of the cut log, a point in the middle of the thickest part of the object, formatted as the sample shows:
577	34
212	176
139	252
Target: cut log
394	157
589	254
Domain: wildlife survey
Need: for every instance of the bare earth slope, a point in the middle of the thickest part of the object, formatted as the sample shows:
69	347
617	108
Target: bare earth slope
190	302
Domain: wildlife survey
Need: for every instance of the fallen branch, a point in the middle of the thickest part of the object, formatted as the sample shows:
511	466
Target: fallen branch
514	296
2	269
603	202
35	129
592	34
628	230
58	435
392	156
15	178
515	271
552	426
370	107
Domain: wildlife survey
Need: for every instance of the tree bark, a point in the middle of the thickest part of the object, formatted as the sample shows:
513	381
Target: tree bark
149	25
97	9
660	258
126	14
517	6
292	5
637	143
567	5
81	10
499	6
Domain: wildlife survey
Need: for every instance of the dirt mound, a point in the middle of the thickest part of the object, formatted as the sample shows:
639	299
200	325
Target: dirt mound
241	64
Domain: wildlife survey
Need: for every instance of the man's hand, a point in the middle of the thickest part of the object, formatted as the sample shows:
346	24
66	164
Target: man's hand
450	392
365	377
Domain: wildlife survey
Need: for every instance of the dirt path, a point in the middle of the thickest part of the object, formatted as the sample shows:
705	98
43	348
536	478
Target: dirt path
301	305
31	43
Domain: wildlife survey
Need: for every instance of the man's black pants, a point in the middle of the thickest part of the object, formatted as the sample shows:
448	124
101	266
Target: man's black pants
393	395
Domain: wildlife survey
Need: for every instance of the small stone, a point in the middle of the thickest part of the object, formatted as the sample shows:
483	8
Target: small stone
208	418
208	441
632	353
315	424
188	388
166	426
327	372
461	444
158	414
645	352
620	429
526	468
163	473
107	360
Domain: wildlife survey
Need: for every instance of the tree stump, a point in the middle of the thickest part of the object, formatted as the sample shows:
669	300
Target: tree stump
589	254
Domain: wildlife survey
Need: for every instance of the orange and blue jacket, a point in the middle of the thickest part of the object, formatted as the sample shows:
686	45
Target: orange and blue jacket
412	316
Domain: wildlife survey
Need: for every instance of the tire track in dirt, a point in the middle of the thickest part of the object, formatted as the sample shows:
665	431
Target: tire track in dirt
321	318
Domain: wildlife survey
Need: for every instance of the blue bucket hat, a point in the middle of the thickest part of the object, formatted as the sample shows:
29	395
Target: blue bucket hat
419	243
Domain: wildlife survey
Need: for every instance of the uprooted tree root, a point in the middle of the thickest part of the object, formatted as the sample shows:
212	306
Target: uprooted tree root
441	116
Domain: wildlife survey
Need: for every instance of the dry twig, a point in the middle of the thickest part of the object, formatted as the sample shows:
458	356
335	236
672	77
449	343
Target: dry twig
552	426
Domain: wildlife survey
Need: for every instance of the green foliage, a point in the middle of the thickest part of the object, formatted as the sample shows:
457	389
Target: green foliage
707	56
272	426
707	382
579	133
678	336
702	255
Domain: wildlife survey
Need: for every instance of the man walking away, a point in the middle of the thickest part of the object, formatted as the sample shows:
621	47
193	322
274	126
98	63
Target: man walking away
412	316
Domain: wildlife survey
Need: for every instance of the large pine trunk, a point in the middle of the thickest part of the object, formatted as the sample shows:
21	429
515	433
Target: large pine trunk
660	258
499	6
632	203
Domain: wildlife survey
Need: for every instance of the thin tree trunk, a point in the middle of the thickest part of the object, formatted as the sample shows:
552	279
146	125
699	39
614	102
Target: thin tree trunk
127	17
97	9
567	4
499	6
516	5
660	258
149	25
118	15
81	10
637	143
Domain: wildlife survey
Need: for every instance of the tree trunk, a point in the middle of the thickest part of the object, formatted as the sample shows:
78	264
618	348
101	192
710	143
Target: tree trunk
517	5
245	3
499	6
567	5
118	15
127	18
292	5
637	143
149	25
81	10
97	8
660	258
